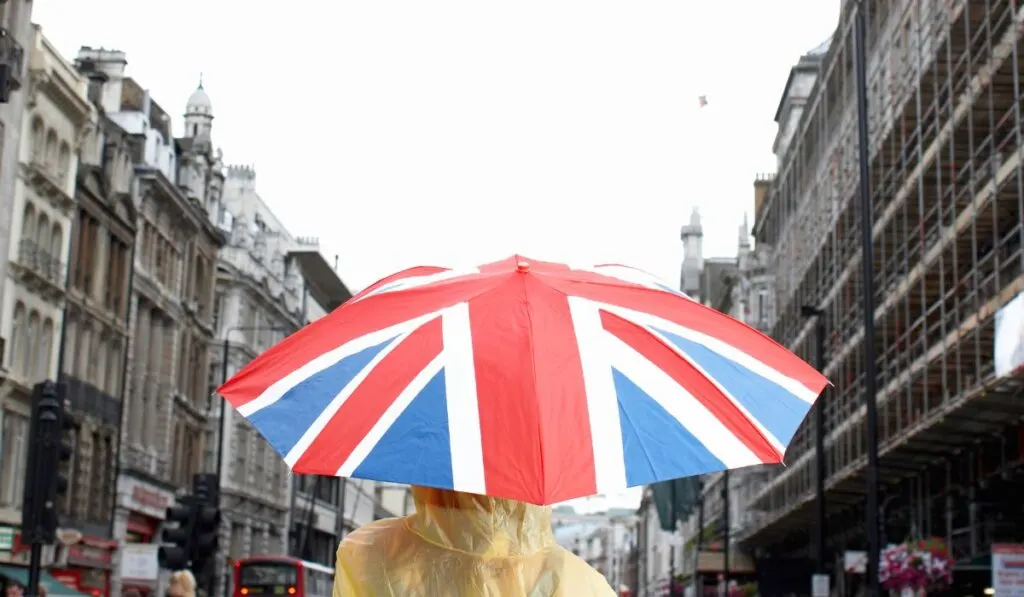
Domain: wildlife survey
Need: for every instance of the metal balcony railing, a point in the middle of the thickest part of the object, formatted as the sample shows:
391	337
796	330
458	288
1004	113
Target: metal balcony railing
40	261
89	400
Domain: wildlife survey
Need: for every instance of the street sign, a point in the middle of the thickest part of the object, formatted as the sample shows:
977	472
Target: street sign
1008	569
819	585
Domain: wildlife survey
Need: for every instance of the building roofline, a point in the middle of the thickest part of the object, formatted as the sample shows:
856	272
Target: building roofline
322	282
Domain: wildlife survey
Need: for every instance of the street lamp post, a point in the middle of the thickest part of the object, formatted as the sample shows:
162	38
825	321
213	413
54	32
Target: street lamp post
818	316
868	295
672	548
225	356
727	522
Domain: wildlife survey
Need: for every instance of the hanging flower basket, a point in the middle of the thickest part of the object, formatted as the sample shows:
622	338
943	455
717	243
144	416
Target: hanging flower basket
916	565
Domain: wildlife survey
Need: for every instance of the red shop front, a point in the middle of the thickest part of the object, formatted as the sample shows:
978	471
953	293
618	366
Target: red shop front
85	565
136	568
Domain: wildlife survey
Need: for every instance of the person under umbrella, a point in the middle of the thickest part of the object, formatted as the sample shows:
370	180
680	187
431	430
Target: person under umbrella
502	389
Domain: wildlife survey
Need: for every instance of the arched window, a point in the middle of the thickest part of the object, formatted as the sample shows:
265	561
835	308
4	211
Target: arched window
64	162
93	366
83	348
114	366
32	365
199	281
43	233
46	350
18	339
51	149
38	138
56	241
100	356
28	222
70	341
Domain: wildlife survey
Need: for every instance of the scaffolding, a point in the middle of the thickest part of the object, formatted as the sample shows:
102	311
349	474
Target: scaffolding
948	198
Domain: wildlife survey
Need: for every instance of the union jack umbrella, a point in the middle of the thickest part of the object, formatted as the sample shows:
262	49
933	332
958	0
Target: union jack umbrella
525	379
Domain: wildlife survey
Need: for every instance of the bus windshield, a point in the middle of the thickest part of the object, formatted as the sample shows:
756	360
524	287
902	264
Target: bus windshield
268	574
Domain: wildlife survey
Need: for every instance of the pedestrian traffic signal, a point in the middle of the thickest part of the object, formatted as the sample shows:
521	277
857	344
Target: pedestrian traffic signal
175	556
44	482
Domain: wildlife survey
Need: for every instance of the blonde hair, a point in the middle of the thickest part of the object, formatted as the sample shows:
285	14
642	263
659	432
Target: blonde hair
185	580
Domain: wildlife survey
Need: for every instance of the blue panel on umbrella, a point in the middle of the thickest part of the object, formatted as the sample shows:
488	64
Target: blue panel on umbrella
286	420
777	409
416	449
656	446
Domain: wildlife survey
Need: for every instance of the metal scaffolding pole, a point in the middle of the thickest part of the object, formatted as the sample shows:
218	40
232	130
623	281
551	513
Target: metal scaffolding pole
868	295
821	532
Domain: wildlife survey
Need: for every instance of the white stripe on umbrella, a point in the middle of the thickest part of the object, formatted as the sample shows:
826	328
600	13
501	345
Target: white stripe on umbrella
602	401
461	396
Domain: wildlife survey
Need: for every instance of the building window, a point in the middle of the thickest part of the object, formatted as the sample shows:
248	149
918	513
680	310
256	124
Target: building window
177	463
117	267
33	366
28	222
218	305
19	339
85	253
98	467
260	463
241	453
115	364
64	163
46	349
38	139
15	454
51	150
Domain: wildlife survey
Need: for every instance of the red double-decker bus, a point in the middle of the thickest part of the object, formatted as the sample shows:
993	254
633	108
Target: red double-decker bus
281	576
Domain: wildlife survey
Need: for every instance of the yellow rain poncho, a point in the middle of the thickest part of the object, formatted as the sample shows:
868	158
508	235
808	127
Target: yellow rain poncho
463	545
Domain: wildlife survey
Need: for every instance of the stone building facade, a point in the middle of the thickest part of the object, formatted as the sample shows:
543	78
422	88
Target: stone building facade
17	35
259	300
57	119
171	310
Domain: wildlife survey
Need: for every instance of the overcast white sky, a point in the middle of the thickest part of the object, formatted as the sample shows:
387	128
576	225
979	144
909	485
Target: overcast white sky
451	132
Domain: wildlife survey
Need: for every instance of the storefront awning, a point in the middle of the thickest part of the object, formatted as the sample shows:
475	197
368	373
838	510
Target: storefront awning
54	588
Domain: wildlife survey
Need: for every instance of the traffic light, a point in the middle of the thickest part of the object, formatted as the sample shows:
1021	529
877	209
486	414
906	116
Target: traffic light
64	453
176	556
44	483
193	542
207	521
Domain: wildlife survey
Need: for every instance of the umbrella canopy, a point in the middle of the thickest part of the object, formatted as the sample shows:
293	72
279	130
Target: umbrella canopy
527	380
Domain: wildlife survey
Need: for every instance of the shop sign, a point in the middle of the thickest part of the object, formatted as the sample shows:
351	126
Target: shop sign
92	556
7	537
139	562
139	496
1008	569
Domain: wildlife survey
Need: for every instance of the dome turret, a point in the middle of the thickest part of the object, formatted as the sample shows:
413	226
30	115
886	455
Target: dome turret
199	114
